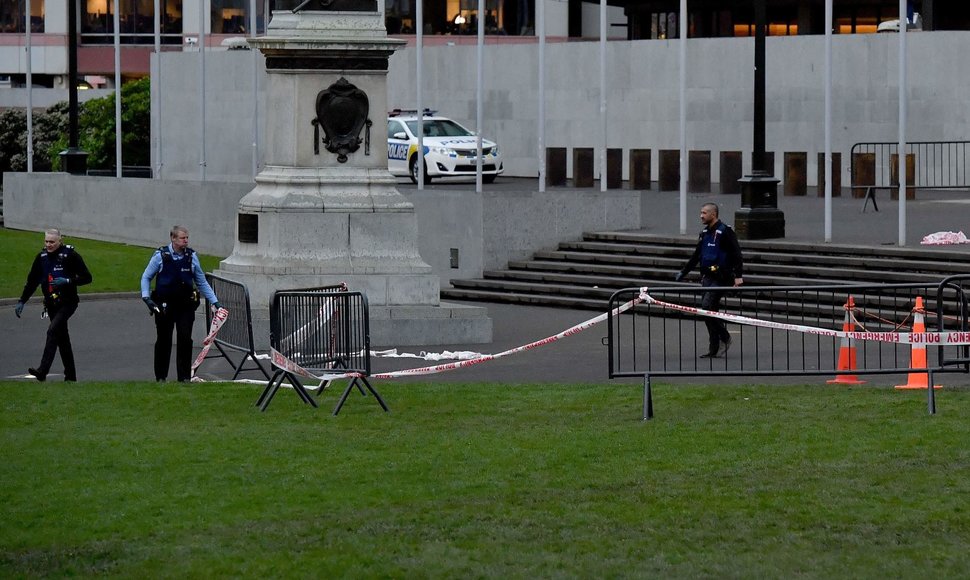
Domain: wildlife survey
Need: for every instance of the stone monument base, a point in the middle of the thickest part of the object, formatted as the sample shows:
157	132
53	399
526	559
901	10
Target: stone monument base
396	326
391	325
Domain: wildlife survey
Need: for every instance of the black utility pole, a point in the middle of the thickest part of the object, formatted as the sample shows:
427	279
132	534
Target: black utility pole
73	160
759	217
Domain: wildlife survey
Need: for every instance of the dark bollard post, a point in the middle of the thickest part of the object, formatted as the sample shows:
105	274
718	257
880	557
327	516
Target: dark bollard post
796	173
669	170
863	173
583	167
614	168
910	175
835	172
699	171
730	172
556	166
640	168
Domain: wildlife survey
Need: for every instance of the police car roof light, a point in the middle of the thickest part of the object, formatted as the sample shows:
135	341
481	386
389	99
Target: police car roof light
397	112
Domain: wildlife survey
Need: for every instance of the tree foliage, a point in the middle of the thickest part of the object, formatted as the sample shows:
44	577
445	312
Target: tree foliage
96	128
96	132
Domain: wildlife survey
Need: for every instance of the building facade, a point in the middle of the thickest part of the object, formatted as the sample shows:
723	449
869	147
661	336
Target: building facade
183	22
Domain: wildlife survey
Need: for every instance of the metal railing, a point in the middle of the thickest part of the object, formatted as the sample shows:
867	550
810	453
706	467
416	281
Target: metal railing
322	332
936	165
654	340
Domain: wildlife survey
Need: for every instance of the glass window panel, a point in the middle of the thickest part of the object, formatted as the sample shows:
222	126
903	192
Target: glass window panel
229	16
12	17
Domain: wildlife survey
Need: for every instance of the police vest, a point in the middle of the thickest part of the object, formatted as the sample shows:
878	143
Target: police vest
711	252
174	282
53	263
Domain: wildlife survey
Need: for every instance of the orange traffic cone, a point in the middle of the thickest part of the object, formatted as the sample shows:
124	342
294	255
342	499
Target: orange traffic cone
847	350
917	359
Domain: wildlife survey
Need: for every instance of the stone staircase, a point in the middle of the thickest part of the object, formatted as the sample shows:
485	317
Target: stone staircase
585	273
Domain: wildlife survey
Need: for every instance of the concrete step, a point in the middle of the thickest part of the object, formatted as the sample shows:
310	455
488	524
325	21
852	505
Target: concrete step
666	268
585	273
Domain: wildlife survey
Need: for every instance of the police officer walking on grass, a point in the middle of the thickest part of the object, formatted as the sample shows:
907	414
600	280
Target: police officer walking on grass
178	280
58	270
719	255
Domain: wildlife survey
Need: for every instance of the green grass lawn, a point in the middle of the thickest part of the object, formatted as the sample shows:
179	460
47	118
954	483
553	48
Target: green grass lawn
483	480
114	267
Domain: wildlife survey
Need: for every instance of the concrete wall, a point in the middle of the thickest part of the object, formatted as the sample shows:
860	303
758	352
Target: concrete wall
228	128
643	106
133	211
487	230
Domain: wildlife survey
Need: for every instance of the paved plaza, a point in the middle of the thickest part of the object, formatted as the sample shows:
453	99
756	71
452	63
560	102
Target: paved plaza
113	335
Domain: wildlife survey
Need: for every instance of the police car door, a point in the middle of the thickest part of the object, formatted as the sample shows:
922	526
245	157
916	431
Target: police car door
397	148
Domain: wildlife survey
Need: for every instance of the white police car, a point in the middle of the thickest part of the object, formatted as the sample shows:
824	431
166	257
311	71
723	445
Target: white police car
450	150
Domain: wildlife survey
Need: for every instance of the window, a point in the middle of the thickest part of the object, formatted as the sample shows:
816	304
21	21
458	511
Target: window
394	127
229	16
136	19
12	16
460	17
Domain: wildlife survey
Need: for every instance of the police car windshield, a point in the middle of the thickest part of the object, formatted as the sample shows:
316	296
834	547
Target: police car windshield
440	128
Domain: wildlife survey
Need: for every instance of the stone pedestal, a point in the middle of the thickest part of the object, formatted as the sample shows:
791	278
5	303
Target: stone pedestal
759	217
325	209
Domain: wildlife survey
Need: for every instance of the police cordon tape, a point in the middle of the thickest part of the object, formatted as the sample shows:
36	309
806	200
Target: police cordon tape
282	362
953	338
218	319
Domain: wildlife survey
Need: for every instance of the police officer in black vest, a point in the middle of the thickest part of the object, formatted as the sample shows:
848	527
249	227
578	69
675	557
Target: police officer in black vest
178	280
58	270
719	255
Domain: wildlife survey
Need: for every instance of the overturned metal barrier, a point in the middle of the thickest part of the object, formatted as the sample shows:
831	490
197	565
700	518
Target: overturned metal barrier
315	332
665	335
236	333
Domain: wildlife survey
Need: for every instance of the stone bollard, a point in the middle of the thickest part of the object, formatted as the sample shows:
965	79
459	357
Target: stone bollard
796	173
699	171
731	171
556	166
583	167
669	170
910	175
835	172
863	173
640	168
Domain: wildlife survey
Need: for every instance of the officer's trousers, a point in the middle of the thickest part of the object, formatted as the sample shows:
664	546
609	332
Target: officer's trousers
59	339
181	320
716	330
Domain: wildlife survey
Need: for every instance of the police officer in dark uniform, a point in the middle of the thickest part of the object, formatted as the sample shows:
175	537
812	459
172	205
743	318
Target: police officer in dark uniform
58	270
719	255
178	280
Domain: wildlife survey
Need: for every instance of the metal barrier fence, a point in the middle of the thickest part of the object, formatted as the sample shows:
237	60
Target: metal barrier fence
236	333
654	340
320	331
936	165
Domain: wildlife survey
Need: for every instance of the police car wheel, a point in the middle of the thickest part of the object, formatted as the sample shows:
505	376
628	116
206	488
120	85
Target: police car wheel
414	171
488	178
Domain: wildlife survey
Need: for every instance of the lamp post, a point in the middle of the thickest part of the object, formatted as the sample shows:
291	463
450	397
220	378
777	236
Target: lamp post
759	217
73	160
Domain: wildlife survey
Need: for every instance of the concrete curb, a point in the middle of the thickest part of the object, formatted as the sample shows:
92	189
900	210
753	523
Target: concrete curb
84	297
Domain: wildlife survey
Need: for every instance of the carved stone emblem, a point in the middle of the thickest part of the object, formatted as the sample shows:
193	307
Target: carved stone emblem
342	111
